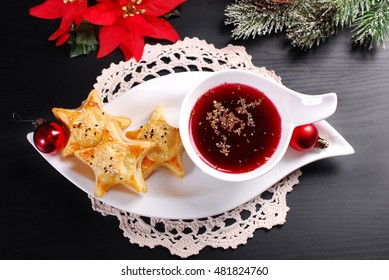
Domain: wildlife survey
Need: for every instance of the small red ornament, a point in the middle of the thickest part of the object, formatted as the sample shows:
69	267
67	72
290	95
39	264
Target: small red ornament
49	137
306	137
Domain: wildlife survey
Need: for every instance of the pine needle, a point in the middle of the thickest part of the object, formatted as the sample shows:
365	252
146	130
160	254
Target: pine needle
372	28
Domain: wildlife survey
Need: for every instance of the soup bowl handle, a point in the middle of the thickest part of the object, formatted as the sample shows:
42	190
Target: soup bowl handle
315	108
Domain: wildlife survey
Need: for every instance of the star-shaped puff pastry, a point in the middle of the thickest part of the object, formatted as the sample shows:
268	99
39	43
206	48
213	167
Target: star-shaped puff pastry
116	160
168	147
86	123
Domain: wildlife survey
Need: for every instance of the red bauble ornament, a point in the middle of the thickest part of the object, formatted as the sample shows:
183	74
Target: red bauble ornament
49	137
306	137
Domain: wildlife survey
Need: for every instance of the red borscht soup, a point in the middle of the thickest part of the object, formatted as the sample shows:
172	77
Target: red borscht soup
235	128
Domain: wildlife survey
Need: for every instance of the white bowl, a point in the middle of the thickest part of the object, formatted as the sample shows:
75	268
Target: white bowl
294	109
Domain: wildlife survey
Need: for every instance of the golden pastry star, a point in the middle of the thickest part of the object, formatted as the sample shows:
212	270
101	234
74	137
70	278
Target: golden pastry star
86	123
116	160
168	147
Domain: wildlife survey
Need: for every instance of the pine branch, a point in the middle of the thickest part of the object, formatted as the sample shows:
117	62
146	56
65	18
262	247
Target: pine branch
256	17
372	27
310	23
313	22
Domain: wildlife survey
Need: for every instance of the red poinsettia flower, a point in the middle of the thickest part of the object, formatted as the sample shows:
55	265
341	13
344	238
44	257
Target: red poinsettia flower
125	23
69	10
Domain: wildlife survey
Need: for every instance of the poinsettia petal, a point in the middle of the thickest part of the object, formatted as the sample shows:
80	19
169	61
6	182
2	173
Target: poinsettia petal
81	4
51	9
126	51
138	25
79	9
62	39
133	45
159	7
57	34
110	38
66	23
105	13
124	2
166	31
159	28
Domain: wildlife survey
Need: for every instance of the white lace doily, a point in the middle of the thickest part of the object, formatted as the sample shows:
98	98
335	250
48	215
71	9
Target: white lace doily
227	230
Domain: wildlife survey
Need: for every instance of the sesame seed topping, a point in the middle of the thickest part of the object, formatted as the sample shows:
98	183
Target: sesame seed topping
221	118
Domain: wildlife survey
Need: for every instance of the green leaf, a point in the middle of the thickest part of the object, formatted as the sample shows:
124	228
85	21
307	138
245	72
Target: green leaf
174	13
82	39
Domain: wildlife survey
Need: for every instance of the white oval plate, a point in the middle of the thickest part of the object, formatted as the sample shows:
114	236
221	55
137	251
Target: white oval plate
197	195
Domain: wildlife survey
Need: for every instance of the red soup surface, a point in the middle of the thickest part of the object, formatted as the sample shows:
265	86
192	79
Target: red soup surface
235	128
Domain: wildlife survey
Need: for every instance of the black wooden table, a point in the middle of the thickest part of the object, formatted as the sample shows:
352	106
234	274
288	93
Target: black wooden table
340	209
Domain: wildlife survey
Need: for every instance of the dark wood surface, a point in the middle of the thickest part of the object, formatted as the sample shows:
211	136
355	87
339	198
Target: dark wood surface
340	209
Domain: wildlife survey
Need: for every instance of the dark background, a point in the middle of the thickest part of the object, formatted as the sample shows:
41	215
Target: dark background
340	209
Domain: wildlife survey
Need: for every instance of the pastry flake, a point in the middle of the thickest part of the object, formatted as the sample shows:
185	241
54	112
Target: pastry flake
116	160
86	123
168	147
